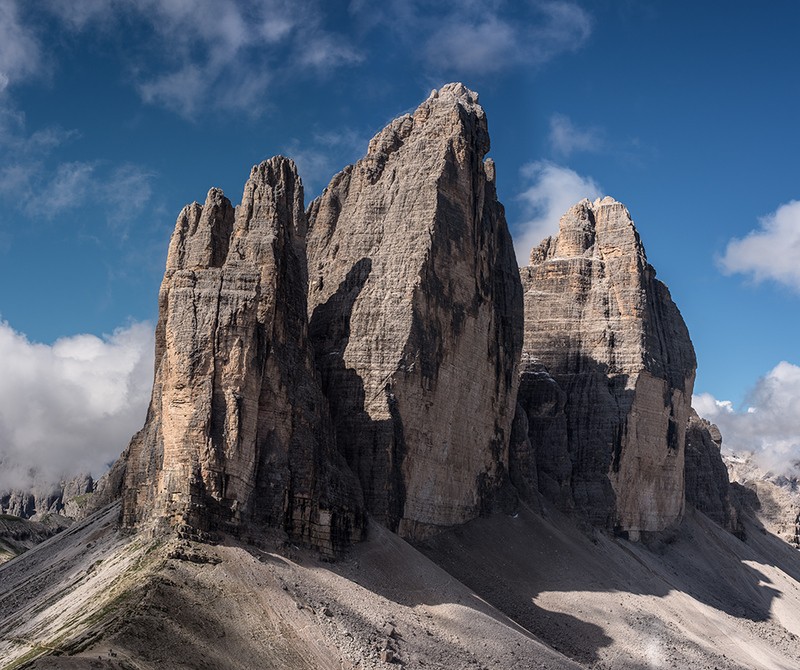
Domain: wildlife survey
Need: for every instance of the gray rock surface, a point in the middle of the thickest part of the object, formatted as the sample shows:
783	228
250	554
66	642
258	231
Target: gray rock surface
773	499
707	485
610	337
237	433
67	498
416	316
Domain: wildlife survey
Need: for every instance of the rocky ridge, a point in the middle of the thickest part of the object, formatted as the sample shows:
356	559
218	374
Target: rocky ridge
67	498
773	499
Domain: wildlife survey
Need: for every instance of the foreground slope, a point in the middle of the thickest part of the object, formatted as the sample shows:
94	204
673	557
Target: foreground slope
92	598
704	600
485	595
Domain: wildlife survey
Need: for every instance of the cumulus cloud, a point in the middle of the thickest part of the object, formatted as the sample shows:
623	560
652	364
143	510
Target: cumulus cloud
566	138
769	424
552	191
71	406
474	38
770	252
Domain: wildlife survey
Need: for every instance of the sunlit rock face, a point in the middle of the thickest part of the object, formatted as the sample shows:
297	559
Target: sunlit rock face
416	316
607	334
238	432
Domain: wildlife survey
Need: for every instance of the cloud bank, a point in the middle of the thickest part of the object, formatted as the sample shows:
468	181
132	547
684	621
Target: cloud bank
552	190
71	406
772	252
770	424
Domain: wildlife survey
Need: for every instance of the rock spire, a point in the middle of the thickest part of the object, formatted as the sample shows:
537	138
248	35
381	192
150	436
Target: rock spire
238	432
608	334
416	314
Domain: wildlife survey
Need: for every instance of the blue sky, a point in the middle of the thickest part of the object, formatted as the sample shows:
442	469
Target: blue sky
115	113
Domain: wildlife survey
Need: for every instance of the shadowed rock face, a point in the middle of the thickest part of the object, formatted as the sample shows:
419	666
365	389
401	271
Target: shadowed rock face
707	485
238	431
416	316
614	343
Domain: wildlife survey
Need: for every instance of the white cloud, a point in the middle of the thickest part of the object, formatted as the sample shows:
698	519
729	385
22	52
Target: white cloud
566	138
553	190
769	425
20	54
770	252
479	47
225	54
71	406
473	38
38	185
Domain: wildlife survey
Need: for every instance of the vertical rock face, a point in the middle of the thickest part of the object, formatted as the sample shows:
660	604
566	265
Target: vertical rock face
613	341
707	485
416	316
237	431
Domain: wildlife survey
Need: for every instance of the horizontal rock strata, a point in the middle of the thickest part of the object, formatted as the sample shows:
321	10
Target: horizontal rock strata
237	431
608	334
416	316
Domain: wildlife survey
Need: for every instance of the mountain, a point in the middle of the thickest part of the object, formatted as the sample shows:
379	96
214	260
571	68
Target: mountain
416	316
610	337
374	442
237	433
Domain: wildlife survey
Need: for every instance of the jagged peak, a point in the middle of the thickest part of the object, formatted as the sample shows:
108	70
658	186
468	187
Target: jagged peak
589	226
457	91
273	169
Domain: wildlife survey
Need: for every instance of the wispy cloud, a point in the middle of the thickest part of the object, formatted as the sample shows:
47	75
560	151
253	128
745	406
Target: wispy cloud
566	138
215	54
34	183
188	56
322	158
552	190
71	406
20	54
769	425
475	38
771	252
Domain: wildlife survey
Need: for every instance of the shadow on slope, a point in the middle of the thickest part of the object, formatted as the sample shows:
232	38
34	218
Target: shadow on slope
594	598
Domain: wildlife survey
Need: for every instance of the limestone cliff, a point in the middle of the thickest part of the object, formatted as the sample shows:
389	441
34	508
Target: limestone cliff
416	316
608	334
66	498
707	485
237	431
